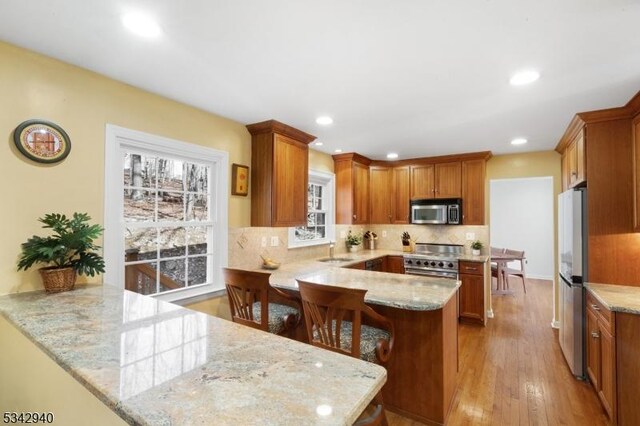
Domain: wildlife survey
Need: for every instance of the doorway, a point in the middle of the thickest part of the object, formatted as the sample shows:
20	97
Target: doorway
521	218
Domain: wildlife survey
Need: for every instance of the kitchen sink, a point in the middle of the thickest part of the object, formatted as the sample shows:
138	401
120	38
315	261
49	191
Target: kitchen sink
335	259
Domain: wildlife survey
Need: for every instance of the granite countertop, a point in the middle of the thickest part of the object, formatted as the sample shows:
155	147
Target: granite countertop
617	298
410	292
156	363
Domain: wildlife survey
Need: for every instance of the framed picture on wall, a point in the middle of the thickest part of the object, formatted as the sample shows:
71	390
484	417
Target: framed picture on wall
42	141
239	180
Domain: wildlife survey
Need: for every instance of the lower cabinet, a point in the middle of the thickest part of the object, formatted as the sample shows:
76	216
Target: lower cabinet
395	264
601	354
471	294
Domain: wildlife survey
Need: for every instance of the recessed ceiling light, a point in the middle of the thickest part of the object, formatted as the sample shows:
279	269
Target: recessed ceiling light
392	155
318	144
524	77
324	120
338	151
519	141
142	25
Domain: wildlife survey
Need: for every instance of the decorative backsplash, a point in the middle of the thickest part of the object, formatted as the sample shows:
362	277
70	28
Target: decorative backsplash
245	244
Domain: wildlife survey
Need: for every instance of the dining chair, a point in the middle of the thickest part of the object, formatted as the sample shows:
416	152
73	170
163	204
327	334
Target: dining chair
333	319
507	271
254	303
494	266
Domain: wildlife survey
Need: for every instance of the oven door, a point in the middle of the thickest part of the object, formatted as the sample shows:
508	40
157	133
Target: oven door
435	214
435	274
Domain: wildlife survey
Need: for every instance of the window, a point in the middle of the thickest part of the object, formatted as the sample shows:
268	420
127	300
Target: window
165	215
320	227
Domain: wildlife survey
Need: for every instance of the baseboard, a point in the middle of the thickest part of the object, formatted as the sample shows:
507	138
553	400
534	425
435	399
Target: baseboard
489	313
555	324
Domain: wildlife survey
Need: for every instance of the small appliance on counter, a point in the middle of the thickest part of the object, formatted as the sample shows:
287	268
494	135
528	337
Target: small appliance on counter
572	248
433	260
445	211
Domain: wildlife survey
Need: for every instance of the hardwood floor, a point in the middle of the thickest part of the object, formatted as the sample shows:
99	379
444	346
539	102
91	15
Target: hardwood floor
512	371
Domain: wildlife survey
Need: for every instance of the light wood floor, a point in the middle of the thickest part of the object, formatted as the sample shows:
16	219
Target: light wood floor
512	371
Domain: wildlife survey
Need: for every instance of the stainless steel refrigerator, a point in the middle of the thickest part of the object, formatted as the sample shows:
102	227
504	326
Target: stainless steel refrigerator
572	244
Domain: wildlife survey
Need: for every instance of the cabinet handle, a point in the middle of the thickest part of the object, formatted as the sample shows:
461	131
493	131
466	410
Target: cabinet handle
354	216
595	334
595	307
574	173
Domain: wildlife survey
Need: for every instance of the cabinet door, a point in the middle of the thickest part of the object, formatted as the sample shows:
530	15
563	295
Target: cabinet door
472	298
593	349
448	178
636	170
289	207
360	194
381	194
581	164
395	264
473	176
572	166
401	194
564	168
422	181
607	387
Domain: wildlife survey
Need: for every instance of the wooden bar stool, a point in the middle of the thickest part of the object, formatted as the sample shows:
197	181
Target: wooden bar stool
333	318
252	302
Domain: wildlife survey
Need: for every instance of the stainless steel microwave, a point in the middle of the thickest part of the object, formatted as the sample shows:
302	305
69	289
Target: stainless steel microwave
446	211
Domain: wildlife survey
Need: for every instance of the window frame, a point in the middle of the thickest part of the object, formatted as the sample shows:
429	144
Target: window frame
328	180
118	139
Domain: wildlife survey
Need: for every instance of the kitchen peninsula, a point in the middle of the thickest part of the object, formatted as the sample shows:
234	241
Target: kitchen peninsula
156	363
422	371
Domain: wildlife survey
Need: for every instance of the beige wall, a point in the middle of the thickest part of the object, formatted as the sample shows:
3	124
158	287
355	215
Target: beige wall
531	164
320	161
82	103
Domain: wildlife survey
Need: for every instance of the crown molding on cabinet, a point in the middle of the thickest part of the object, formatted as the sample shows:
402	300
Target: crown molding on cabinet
482	155
273	126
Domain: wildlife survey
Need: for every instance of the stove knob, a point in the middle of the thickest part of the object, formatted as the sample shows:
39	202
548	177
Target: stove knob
418	262
441	264
450	265
433	263
409	262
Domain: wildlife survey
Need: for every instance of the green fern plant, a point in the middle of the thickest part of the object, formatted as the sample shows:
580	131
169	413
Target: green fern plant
71	245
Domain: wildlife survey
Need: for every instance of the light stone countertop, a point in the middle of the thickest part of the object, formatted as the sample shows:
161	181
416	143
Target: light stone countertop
410	292
156	363
617	298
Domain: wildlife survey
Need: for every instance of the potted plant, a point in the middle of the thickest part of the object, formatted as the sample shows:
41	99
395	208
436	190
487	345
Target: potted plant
68	252
476	246
353	241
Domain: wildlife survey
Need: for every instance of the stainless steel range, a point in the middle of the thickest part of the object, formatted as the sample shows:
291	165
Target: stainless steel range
433	260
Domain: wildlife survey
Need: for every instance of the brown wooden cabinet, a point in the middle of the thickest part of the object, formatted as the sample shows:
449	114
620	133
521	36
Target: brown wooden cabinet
401	194
395	264
636	172
473	186
471	293
574	165
439	180
601	354
352	189
278	190
381	194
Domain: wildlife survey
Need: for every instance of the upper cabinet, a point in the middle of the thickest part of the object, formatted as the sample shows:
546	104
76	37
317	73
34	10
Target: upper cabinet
352	189
473	177
636	174
574	172
392	186
440	180
389	189
279	174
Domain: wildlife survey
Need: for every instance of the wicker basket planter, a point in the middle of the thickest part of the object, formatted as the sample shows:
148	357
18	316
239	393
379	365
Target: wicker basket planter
56	280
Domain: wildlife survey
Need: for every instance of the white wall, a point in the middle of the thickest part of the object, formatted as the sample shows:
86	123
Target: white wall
522	219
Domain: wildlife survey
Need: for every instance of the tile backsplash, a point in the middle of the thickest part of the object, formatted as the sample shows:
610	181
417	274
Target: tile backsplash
245	244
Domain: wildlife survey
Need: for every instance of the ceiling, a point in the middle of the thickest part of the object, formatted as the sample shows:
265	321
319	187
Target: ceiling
418	77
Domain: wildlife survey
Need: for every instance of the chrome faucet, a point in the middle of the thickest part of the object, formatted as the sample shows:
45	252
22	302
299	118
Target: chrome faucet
332	246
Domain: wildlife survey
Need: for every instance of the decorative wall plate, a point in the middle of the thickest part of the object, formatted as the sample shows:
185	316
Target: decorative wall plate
42	141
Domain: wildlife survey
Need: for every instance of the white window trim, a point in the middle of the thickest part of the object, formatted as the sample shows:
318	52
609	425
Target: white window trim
117	138
328	179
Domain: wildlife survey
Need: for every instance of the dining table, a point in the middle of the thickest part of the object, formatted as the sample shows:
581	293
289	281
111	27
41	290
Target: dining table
501	260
